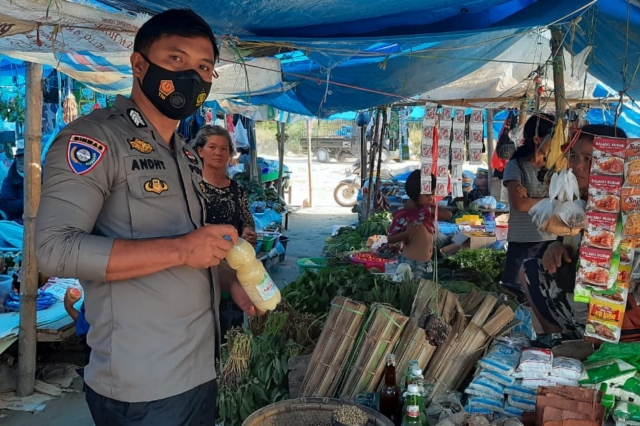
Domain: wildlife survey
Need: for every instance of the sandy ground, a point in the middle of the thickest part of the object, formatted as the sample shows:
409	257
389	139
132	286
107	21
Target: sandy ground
308	229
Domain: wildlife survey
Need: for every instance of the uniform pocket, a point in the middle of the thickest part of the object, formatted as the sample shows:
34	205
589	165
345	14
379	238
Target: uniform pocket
157	205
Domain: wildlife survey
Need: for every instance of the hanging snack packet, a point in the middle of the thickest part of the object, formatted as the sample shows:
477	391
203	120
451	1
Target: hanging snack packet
604	320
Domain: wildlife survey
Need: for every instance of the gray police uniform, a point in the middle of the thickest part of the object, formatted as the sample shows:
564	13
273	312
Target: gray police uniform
109	175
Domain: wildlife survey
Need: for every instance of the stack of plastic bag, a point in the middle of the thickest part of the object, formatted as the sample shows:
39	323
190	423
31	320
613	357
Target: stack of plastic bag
45	300
563	213
487	389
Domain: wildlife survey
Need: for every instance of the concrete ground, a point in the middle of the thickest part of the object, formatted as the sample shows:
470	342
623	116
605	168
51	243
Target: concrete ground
308	229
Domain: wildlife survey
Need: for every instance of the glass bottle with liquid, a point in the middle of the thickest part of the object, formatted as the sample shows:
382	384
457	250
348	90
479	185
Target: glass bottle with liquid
390	392
412	409
255	280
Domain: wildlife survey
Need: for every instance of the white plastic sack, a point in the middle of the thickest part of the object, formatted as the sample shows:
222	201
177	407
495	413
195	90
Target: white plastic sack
564	186
541	213
240	133
572	214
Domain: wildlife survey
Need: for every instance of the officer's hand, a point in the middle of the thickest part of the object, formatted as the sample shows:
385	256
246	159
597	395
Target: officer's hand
553	257
207	246
241	299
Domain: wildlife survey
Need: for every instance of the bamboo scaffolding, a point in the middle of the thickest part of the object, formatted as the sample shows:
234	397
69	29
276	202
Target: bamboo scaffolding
455	359
378	338
334	346
413	344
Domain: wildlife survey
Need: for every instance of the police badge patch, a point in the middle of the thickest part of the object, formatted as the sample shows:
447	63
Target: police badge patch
84	153
190	156
136	118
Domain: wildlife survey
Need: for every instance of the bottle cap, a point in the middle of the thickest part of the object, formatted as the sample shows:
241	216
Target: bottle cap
391	359
413	389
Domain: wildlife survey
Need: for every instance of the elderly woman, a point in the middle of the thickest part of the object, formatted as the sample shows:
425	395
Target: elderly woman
227	203
550	282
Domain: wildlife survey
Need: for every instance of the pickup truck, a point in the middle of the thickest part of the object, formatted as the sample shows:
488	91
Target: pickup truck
345	143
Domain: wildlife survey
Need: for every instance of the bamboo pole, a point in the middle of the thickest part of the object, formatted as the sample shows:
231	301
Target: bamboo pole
490	144
309	162
558	71
29	285
281	129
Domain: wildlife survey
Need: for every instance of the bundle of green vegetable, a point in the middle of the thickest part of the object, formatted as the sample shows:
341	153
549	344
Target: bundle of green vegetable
484	260
254	361
313	293
348	240
256	192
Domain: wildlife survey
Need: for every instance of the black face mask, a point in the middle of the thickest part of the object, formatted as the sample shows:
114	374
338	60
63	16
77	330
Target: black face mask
176	94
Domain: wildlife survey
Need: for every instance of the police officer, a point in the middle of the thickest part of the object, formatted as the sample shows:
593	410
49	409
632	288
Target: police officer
122	211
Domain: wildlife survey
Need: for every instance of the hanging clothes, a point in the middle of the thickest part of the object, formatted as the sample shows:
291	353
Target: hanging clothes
190	126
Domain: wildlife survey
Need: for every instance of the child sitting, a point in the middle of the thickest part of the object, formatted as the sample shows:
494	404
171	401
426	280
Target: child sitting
82	326
415	226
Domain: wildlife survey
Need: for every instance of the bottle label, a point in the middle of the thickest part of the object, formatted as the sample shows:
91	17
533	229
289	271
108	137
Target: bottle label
413	411
267	288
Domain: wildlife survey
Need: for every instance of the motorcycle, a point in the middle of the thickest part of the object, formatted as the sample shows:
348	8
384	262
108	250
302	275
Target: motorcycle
346	193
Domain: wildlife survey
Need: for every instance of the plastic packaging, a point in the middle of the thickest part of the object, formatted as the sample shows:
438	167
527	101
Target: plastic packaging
610	371
255	280
567	368
501	379
523	404
486	403
480	386
501	358
627	412
541	213
520	391
533	359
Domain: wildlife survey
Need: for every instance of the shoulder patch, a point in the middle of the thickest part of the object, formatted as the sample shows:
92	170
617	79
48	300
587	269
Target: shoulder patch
190	156
84	153
140	145
136	118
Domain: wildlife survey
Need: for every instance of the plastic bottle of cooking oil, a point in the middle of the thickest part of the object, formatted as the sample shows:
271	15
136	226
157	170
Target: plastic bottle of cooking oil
255	280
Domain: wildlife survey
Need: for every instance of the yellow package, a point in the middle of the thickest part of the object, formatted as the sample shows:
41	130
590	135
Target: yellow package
604	320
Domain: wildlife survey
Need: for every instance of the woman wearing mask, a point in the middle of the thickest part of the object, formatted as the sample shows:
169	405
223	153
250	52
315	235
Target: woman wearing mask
524	179
550	282
227	203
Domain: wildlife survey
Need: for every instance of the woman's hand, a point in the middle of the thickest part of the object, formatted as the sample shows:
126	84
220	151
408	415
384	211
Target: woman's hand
249	235
521	190
554	255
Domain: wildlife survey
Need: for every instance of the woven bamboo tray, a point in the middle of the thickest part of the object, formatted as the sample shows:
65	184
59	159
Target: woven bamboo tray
310	411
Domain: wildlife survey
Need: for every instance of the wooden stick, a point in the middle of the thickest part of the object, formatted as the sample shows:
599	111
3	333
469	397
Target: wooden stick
29	285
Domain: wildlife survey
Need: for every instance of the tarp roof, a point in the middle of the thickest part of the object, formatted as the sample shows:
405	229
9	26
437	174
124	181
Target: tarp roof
353	54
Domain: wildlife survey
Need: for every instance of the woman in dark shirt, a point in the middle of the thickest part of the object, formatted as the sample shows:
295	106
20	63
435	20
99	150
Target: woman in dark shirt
227	203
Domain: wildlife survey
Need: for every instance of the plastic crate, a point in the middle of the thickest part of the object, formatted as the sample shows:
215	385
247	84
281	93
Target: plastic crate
380	265
318	263
267	242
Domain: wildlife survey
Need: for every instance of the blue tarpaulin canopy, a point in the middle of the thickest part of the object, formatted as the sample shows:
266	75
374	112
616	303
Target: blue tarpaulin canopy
339	55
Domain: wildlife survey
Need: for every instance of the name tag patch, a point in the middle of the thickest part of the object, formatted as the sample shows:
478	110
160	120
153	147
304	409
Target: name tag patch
84	153
147	164
155	185
140	146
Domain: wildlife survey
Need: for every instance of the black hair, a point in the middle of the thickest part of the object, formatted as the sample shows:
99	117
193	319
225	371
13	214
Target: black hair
173	22
207	131
413	185
607	130
541	125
